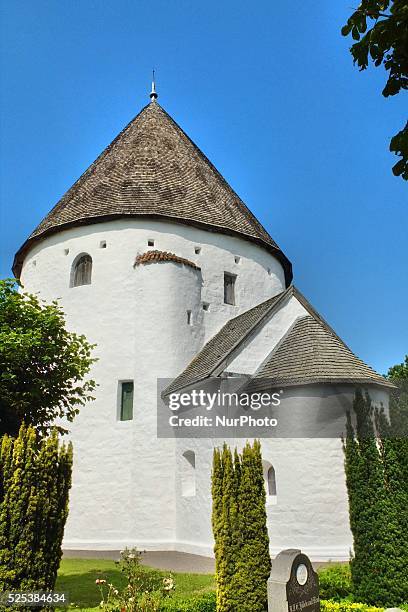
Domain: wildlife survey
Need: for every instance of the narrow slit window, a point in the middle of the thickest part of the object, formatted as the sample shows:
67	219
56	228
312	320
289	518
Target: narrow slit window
102	244
271	481
237	259
126	401
82	271
197	250
206	306
229	288
189	317
188	476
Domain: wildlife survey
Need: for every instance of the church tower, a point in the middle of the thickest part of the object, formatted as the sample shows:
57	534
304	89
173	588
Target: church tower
156	259
140	252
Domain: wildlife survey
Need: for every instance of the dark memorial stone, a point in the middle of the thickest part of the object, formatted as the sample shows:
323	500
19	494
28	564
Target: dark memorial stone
293	585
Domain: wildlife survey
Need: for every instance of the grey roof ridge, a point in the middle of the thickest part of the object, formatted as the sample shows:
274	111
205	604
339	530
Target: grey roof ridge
280	298
313	312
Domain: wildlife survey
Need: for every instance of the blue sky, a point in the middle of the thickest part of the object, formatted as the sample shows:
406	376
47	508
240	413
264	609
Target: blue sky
268	91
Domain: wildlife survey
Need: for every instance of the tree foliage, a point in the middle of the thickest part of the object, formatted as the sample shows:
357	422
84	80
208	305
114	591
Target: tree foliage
384	43
35	478
240	531
42	365
399	372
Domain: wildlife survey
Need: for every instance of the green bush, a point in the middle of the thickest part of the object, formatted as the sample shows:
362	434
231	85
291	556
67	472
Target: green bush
200	603
335	582
35	477
346	606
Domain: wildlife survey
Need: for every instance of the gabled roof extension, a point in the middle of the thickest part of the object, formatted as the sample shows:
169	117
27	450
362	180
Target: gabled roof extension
309	352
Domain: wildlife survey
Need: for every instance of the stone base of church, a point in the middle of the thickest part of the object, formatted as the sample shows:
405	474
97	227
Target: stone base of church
317	553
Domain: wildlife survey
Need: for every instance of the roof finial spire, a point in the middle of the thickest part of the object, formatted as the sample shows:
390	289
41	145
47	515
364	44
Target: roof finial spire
153	94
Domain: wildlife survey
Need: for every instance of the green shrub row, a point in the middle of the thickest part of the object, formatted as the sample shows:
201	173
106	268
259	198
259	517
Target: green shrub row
207	603
346	606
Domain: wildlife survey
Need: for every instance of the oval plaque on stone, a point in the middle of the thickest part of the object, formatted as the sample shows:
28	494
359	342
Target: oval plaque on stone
293	585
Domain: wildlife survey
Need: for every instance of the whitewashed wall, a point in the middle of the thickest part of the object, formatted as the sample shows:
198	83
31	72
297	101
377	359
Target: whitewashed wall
127	484
124	481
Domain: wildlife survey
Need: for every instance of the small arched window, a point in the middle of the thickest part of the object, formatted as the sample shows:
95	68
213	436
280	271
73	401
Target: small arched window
270	482
81	271
188	476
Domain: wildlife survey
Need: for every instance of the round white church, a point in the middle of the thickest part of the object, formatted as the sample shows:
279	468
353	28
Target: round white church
156	259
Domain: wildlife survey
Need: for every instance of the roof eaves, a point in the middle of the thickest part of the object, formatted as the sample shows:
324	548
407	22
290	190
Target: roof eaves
272	248
297	382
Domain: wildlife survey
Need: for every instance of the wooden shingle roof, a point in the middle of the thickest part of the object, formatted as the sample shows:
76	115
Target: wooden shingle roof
153	169
311	353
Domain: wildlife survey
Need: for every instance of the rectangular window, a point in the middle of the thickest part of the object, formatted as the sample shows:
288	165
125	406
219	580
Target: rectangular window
126	401
229	288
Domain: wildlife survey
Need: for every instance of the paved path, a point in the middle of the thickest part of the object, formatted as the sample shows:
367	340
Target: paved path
162	559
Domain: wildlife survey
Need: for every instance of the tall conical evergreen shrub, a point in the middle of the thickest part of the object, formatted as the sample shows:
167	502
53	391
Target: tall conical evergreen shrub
240	531
35	478
224	493
253	564
372	477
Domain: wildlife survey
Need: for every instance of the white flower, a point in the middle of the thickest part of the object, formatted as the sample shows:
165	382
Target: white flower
168	584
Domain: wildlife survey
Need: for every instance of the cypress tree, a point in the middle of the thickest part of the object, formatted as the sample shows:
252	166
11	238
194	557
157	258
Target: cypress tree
372	481
35	477
253	561
240	531
217	525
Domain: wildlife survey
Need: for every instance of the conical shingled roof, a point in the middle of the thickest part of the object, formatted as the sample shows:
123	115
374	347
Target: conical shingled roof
153	169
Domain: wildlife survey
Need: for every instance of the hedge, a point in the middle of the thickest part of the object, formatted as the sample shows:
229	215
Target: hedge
346	606
207	603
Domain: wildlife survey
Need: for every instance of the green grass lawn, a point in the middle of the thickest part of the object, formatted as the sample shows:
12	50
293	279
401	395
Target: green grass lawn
77	578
